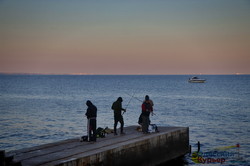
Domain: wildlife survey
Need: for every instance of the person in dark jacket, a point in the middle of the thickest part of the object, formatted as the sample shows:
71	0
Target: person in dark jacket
117	107
147	108
91	114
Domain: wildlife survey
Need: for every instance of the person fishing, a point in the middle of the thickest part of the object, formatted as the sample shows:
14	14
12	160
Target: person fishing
91	114
147	108
117	107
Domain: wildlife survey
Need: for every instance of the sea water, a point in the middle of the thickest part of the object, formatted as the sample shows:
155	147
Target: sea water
39	109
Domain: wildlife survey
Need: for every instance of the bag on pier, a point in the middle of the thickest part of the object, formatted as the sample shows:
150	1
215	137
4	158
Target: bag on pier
84	139
153	128
100	132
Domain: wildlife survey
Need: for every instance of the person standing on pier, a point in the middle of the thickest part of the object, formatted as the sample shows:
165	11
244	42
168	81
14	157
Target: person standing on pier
117	107
91	116
147	108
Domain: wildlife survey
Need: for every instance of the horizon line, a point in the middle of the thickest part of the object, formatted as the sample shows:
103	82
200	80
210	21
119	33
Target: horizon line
36	73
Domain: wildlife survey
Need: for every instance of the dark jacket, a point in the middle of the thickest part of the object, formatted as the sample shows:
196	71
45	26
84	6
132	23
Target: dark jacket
91	110
117	107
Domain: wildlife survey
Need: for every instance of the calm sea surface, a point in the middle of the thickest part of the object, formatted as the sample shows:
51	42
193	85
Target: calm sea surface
39	109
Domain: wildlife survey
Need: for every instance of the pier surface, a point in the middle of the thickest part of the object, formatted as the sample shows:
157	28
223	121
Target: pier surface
133	148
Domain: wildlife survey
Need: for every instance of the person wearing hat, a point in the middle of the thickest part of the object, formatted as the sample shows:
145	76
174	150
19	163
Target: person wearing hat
117	107
91	114
147	108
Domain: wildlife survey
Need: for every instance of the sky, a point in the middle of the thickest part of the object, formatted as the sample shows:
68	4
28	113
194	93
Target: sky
125	36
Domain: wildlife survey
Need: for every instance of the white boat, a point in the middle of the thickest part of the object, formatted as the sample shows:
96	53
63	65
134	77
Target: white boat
196	80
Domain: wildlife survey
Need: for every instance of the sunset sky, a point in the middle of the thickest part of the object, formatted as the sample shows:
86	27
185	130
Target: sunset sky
125	36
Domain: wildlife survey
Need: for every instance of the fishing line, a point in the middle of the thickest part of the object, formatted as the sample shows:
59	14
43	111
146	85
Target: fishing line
128	102
132	96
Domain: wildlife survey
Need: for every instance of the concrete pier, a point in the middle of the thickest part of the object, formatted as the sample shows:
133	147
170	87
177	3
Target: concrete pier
133	148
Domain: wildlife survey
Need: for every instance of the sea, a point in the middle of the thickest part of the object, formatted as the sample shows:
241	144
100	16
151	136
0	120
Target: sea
40	109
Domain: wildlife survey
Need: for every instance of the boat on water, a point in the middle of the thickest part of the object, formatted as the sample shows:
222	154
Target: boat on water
196	80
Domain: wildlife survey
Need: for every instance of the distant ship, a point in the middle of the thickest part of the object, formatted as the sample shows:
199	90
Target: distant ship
196	80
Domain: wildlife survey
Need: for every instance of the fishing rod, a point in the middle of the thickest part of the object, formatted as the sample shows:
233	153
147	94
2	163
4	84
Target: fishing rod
132	96
128	102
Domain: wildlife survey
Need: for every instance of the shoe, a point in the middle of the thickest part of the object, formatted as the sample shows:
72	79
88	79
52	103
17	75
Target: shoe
115	133
122	133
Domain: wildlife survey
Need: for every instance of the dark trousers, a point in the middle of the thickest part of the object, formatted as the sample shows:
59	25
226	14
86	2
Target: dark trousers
145	123
118	119
92	129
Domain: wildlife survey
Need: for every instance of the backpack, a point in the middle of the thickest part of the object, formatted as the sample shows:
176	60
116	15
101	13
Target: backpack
147	110
147	105
100	132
